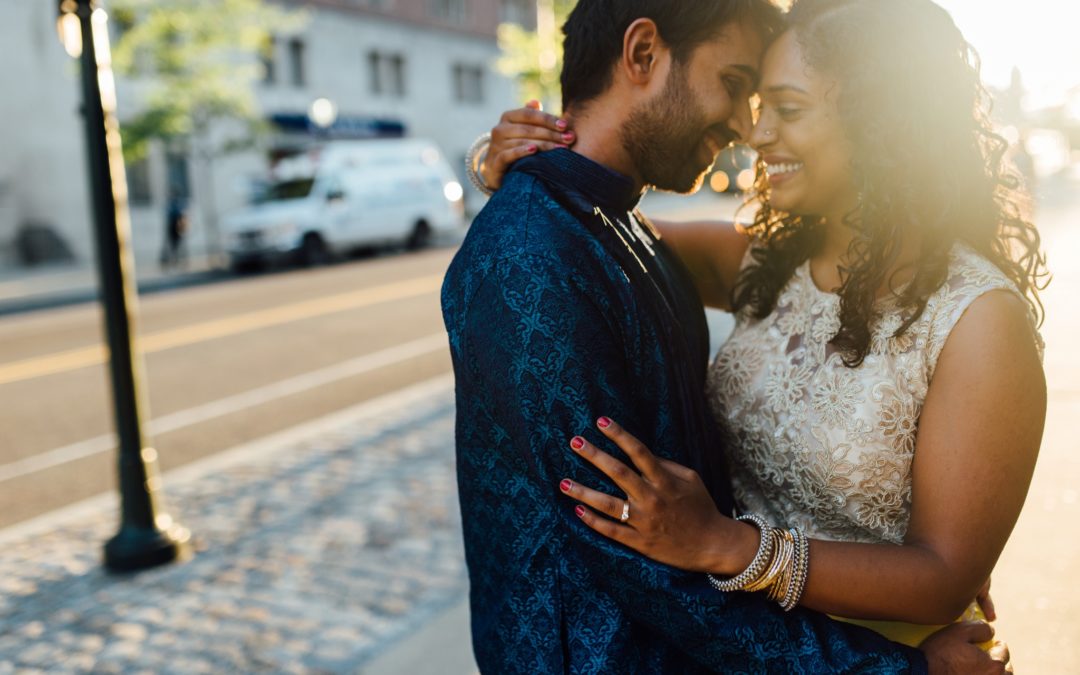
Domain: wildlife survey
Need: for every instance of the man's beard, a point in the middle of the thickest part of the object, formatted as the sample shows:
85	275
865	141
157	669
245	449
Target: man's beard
664	137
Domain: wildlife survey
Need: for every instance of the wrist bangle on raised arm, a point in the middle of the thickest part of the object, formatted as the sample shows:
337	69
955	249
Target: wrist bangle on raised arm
474	158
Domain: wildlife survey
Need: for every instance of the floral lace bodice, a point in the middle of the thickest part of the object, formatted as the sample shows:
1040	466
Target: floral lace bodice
826	447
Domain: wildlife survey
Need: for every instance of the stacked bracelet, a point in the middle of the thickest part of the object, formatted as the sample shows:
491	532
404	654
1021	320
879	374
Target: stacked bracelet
757	565
799	572
776	568
779	568
474	159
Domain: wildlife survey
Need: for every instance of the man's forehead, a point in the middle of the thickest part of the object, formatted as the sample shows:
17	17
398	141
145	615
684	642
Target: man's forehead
736	45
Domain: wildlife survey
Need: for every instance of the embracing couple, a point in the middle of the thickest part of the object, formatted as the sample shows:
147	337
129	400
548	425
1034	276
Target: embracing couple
831	493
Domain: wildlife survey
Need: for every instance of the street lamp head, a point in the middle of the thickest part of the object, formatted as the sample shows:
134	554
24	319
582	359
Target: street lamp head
67	27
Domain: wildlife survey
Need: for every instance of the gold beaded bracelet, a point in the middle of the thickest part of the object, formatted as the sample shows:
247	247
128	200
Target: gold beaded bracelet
775	567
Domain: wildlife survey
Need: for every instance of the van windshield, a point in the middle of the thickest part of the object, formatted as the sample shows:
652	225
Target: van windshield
289	189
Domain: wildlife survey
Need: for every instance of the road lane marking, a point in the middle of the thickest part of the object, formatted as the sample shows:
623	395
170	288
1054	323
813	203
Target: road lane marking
231	404
105	504
95	355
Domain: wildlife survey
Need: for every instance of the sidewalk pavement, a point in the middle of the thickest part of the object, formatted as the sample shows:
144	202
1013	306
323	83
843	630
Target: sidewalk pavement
317	550
59	285
62	284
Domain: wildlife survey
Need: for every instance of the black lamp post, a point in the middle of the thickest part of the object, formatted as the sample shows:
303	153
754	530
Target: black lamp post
148	536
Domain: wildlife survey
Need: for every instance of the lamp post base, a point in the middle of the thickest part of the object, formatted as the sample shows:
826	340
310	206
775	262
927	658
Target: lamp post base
134	549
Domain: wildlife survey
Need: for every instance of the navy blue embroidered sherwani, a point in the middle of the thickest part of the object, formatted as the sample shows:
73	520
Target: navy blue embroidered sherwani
555	318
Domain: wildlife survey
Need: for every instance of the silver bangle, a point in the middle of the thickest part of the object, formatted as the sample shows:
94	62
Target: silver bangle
474	158
757	565
800	573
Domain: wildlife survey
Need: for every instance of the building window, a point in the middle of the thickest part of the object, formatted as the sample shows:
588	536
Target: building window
375	72
521	12
296	62
268	58
468	83
138	183
177	176
450	11
387	73
397	75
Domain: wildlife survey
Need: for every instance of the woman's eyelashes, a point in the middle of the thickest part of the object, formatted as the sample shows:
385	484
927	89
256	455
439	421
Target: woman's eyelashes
785	111
788	113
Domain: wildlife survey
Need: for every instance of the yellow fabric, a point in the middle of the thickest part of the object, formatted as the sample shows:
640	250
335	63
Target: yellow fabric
912	634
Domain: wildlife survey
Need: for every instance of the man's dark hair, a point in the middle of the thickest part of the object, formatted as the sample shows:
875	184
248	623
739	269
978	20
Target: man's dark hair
595	29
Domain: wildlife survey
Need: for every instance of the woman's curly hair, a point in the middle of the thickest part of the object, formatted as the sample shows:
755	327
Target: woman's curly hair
925	159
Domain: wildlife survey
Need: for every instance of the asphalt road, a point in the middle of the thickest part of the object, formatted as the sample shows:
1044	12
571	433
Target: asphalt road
226	363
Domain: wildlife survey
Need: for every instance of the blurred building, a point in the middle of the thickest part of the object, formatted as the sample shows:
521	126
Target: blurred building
415	67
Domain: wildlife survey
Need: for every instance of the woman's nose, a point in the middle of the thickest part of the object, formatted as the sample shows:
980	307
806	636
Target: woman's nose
762	134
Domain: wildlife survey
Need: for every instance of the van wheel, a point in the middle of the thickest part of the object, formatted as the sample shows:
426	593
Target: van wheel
313	251
420	237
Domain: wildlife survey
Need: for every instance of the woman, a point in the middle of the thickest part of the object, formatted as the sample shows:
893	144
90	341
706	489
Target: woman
884	381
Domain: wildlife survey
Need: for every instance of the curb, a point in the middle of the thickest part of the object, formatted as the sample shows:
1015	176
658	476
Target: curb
85	294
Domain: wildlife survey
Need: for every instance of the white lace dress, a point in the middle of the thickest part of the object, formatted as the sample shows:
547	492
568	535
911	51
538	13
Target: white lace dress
822	446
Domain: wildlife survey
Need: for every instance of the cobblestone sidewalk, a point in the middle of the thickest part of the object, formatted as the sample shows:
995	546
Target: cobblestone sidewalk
312	557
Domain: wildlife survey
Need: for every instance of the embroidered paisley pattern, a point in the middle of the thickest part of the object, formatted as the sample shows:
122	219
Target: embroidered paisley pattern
820	445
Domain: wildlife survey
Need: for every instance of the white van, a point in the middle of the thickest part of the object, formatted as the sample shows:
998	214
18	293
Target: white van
346	195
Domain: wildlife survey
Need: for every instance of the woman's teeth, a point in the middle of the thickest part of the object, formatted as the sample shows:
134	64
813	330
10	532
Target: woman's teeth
779	169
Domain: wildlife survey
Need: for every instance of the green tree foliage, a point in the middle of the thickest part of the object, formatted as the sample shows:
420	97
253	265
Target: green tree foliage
193	62
522	52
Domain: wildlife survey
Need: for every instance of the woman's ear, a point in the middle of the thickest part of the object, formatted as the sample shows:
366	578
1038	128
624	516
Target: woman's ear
643	49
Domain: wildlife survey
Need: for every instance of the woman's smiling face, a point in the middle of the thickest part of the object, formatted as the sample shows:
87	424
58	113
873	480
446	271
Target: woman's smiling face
800	137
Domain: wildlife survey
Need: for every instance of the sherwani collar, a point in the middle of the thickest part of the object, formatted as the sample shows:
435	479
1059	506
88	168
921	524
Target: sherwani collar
584	182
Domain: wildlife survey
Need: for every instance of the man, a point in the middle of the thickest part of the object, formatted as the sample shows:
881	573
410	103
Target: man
562	306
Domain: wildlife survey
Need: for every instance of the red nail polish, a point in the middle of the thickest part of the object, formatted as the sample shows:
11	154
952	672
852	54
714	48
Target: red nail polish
568	137
603	422
532	148
561	124
566	485
579	510
577	442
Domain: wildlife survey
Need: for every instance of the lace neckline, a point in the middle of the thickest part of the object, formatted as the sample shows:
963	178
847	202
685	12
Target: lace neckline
884	304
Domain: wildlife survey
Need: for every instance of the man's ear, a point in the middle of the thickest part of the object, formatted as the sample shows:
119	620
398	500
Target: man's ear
643	51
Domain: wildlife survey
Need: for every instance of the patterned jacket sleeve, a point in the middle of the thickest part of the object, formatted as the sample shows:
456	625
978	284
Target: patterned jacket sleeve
549	362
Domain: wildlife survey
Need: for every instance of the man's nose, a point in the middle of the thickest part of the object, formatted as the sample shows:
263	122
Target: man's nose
742	123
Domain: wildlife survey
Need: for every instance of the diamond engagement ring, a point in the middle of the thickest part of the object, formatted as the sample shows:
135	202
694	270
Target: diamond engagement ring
625	512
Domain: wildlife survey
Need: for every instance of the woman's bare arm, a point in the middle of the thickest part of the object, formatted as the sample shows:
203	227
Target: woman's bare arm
978	439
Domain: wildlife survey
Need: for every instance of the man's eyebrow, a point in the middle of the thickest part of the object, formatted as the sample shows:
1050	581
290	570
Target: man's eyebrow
751	72
781	88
